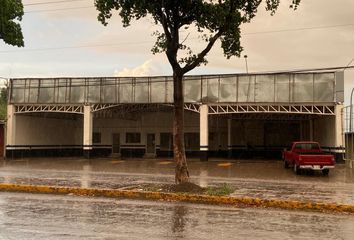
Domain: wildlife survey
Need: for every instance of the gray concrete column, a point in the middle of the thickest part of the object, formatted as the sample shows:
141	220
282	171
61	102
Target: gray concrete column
204	133
87	131
10	130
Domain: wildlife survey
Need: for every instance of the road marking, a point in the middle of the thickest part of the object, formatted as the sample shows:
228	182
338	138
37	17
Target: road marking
117	161
19	160
225	164
165	163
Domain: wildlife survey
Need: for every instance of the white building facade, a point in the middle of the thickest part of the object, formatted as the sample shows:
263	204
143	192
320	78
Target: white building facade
239	116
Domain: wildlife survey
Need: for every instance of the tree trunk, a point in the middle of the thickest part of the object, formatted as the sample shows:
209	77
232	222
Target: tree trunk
182	174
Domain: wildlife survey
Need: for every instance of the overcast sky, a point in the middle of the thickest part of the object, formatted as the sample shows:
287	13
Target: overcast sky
65	39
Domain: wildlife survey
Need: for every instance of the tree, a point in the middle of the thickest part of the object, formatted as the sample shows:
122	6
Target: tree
212	19
3	103
11	11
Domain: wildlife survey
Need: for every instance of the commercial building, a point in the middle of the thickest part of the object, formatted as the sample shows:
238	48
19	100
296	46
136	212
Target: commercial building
252	115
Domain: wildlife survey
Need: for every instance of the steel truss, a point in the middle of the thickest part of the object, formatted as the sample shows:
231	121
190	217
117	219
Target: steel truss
266	117
291	109
192	107
142	107
79	109
100	107
125	111
109	109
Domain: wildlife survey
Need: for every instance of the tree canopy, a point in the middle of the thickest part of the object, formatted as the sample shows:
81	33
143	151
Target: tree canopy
3	103
11	12
213	19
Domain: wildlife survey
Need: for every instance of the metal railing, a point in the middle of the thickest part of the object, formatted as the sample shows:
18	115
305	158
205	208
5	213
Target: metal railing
348	134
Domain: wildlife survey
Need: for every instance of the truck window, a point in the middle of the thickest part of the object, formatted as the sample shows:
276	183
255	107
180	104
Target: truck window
307	146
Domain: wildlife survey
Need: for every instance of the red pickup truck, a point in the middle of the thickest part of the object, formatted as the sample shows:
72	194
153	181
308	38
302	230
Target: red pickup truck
308	155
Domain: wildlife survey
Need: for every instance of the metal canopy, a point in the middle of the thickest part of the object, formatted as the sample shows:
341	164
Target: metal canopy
277	88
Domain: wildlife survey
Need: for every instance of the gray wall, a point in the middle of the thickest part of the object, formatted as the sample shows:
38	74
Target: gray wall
37	130
40	130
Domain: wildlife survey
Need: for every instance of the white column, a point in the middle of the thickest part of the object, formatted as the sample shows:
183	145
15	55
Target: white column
339	131
338	126
204	133
10	127
87	128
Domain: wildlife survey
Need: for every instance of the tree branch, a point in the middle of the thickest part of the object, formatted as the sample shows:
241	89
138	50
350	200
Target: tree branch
212	41
171	51
163	20
172	35
202	54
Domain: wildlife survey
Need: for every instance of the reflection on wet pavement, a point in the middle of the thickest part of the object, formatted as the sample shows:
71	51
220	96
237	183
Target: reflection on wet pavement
264	179
179	221
35	216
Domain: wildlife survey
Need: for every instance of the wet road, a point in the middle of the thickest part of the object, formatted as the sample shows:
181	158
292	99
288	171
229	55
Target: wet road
265	179
28	216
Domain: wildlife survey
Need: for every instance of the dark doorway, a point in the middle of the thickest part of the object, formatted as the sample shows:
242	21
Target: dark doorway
150	143
115	143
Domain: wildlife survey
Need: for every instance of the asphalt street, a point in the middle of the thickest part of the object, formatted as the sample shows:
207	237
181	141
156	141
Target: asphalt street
36	216
264	179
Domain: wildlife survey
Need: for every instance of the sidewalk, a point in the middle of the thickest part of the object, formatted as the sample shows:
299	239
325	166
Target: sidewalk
250	178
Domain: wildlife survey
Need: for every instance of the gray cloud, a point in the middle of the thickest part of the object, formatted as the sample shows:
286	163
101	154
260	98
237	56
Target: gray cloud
321	47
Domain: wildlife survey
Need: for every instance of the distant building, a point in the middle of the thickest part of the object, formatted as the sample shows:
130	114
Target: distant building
239	115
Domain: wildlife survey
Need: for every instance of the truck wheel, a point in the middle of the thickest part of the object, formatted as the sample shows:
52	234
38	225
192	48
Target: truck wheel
286	164
325	172
297	170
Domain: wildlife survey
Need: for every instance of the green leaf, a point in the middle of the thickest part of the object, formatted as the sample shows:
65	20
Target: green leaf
11	12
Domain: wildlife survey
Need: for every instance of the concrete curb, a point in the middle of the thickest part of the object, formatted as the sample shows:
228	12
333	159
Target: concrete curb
180	197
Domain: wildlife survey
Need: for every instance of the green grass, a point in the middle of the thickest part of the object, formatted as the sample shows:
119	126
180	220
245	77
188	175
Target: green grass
223	190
